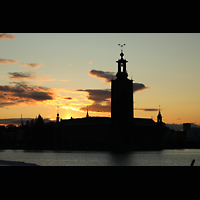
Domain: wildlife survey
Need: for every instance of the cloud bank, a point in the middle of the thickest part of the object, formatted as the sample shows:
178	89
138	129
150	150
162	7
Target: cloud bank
139	87
98	96
147	109
24	88
101	100
30	75
13	95
7	36
108	76
22	75
31	65
68	98
7	61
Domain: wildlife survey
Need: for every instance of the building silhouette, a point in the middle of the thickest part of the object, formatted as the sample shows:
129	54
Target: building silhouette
159	117
120	132
122	93
121	105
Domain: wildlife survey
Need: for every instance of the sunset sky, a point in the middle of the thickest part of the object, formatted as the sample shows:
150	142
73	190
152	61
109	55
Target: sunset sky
40	71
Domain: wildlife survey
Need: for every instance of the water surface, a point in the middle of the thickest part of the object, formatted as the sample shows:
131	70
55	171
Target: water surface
94	158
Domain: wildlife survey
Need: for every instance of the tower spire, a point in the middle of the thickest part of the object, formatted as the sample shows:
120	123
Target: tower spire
121	105
122	74
159	117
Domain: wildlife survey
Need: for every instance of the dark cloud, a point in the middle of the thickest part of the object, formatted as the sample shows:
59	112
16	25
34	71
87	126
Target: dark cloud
97	108
20	83
6	88
68	98
101	100
98	96
139	87
13	95
2	96
106	75
5	104
6	61
29	76
7	36
147	109
22	75
31	65
35	95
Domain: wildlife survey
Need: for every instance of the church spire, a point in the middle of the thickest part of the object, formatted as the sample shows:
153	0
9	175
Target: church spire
159	117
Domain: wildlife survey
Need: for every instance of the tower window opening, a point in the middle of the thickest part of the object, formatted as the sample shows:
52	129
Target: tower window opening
122	66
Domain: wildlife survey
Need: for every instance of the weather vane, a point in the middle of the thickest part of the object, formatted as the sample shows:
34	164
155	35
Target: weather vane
121	45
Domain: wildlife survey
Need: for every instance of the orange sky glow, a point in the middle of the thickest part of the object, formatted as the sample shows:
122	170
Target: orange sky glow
74	71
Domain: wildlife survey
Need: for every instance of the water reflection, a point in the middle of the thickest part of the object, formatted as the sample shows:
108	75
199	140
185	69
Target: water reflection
95	158
15	163
121	159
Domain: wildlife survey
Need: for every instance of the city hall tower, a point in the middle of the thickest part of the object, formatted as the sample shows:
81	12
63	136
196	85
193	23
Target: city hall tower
122	93
121	103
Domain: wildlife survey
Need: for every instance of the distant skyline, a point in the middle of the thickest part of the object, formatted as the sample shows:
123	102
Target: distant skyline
40	71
